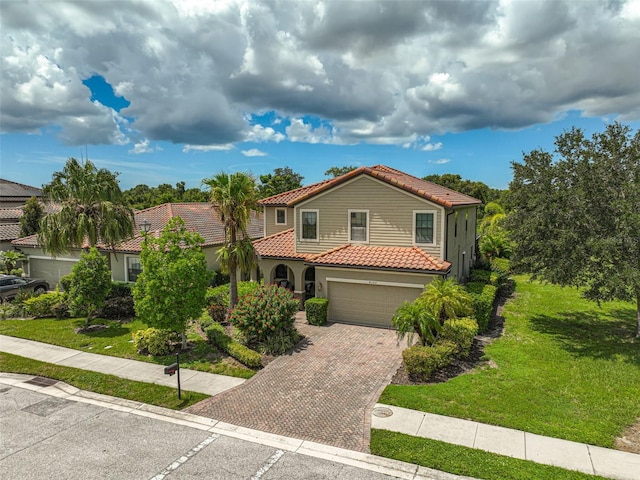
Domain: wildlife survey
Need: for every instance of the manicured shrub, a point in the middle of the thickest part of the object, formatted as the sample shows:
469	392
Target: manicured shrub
218	336
460	332
154	341
421	362
43	305
120	289
217	312
484	296
480	275
317	309
501	264
279	342
264	312
118	308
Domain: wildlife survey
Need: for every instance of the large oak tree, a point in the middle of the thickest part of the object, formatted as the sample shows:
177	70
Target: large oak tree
576	214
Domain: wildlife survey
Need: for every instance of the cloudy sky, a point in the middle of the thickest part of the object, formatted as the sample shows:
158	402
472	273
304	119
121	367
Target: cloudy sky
164	91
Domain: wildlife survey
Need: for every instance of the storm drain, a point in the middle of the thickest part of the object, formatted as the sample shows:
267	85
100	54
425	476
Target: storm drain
382	412
47	407
42	381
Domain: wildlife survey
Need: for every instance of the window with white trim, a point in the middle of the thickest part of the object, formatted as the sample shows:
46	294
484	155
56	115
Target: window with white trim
424	227
134	268
281	216
359	226
309	224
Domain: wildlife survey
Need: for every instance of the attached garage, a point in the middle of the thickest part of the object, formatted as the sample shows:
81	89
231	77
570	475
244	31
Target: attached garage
367	302
50	269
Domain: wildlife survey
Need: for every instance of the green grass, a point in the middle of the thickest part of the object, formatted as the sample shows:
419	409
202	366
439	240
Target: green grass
117	341
101	383
566	368
464	460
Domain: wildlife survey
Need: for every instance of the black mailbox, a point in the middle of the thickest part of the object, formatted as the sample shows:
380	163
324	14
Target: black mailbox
171	369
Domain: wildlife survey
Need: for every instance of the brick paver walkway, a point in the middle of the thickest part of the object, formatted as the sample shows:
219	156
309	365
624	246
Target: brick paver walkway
324	392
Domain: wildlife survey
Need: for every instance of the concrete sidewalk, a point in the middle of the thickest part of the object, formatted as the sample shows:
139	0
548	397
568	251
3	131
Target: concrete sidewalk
192	380
513	443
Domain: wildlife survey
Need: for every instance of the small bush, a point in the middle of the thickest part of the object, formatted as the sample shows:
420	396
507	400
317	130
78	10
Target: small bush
217	312
118	308
501	264
317	309
483	296
264	312
43	305
280	342
218	336
120	289
421	362
481	275
153	341
461	332
61	310
65	282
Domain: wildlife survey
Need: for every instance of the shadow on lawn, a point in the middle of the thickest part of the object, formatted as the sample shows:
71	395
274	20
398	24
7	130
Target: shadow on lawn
603	335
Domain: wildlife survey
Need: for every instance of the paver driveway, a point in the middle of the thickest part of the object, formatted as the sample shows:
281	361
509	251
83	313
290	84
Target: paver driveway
324	392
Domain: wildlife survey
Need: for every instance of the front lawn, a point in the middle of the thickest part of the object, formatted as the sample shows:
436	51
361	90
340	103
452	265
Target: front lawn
101	383
564	368
464	460
117	341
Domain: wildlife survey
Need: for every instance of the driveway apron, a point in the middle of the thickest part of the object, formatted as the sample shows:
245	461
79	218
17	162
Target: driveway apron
322	392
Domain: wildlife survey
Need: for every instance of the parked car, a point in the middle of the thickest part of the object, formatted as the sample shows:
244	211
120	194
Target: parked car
11	285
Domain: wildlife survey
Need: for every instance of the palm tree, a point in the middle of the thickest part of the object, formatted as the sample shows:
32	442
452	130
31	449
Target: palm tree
92	209
446	299
415	318
234	195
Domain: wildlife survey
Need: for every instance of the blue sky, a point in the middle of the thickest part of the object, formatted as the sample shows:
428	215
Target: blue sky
165	92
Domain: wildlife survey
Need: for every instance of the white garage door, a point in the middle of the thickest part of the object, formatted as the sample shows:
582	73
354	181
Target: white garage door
50	270
367	304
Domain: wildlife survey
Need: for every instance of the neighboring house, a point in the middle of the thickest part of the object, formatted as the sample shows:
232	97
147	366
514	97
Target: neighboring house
13	196
367	240
124	260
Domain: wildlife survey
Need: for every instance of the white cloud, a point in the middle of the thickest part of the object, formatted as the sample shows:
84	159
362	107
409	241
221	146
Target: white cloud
254	152
144	146
440	161
207	148
375	72
430	147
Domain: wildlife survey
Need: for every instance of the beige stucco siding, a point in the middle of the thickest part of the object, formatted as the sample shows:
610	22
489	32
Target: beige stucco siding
391	216
270	226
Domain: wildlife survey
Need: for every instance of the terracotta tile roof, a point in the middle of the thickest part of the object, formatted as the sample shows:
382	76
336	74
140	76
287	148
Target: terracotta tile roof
422	188
10	213
30	241
9	231
279	245
200	217
391	258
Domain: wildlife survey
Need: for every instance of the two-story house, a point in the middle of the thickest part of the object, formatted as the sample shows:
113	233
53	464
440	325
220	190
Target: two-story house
367	240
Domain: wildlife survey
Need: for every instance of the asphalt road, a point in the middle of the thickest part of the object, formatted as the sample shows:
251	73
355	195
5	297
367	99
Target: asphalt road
44	437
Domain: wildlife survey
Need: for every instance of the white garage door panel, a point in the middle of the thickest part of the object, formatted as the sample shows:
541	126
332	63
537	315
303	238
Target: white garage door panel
50	270
367	304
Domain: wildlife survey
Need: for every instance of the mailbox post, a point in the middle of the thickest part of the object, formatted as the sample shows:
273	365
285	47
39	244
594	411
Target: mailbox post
173	369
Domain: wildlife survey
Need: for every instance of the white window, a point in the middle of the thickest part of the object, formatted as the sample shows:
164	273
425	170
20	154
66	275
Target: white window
424	230
359	226
133	268
281	216
309	224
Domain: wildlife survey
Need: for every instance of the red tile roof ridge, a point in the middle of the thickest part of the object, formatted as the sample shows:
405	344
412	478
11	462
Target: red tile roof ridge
435	260
274	235
311	258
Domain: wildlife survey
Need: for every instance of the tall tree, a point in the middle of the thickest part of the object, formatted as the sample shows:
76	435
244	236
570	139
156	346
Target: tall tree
32	214
171	288
90	283
576	214
92	209
234	195
282	180
337	171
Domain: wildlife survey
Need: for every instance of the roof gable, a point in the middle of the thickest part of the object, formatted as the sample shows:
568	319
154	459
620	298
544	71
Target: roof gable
430	191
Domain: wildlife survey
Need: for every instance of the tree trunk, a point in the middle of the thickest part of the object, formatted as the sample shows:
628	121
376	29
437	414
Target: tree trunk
233	271
184	340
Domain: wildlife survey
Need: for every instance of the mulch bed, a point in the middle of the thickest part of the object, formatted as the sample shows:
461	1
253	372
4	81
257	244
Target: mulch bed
459	366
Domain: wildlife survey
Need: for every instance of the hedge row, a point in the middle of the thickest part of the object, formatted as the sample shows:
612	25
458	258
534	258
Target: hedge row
483	295
218	336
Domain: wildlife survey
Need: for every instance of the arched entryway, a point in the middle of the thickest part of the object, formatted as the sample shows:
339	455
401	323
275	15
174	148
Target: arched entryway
309	283
283	276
